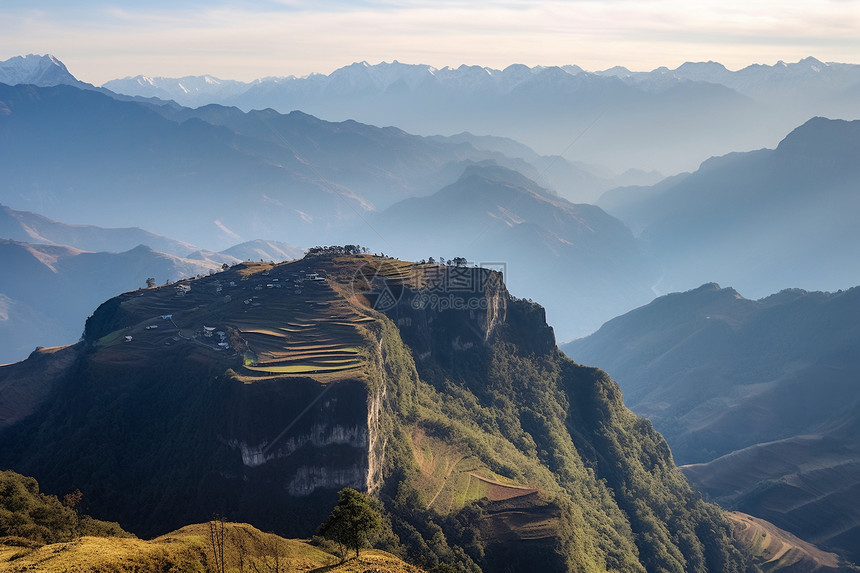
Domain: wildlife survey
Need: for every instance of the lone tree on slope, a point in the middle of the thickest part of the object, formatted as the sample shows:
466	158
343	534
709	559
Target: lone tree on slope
351	521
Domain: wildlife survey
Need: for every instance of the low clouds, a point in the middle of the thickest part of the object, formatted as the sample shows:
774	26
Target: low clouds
247	40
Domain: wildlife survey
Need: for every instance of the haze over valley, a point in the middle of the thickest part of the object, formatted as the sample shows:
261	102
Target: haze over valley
248	298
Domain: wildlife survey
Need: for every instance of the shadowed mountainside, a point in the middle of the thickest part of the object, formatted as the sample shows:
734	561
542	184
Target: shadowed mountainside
760	396
759	221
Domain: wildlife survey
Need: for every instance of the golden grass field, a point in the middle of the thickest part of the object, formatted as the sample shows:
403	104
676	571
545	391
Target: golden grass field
189	550
775	549
451	480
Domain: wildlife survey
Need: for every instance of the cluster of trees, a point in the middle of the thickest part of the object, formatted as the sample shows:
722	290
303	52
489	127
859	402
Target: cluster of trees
34	518
456	261
337	250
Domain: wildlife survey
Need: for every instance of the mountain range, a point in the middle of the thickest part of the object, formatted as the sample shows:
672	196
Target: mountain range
216	175
210	176
668	120
758	398
761	220
430	385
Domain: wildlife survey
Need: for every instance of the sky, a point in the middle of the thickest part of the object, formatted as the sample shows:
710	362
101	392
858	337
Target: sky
99	40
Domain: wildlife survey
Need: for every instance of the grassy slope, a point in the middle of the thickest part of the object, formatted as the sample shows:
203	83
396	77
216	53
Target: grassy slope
776	550
188	550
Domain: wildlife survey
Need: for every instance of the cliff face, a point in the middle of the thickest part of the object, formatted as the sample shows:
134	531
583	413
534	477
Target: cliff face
259	392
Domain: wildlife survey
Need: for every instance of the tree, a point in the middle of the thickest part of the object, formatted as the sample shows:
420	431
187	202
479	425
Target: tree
216	543
150	282
351	521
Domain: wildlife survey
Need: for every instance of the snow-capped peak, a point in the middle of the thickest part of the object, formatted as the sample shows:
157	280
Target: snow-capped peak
34	69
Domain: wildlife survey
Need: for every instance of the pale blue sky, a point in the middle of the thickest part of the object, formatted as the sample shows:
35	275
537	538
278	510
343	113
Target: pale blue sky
102	39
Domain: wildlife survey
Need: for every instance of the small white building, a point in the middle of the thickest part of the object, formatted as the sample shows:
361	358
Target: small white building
208	331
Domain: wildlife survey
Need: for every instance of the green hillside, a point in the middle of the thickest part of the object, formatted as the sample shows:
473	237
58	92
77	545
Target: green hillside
757	399
429	387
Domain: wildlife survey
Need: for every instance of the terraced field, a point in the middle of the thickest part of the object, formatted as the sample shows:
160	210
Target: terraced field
318	335
775	549
453	480
282	320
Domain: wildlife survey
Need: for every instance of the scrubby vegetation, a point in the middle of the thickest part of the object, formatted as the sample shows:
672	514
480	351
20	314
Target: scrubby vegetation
31	518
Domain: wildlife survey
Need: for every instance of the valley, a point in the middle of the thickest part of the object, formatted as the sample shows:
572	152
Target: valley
182	338
757	398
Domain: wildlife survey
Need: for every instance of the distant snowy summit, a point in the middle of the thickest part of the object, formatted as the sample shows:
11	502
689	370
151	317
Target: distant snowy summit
615	119
42	71
188	90
362	78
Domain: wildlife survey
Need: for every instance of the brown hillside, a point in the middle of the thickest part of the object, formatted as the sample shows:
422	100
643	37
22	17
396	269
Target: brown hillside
189	550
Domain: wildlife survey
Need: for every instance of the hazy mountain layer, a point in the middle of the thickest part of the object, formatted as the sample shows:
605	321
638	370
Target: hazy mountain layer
486	445
763	393
27	227
48	290
583	264
213	176
669	120
760	221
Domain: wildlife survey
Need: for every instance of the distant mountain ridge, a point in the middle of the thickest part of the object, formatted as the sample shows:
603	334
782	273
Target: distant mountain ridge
33	228
42	71
55	274
758	397
753	80
499	217
622	119
762	219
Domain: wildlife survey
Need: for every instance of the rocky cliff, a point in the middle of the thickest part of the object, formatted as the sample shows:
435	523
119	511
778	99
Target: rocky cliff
258	392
